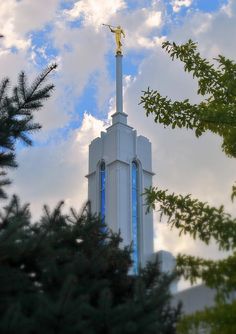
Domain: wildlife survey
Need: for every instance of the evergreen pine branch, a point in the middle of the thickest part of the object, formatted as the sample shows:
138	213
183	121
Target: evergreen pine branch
16	114
3	88
40	80
22	86
74	285
15	209
31	101
7	160
3	183
41	94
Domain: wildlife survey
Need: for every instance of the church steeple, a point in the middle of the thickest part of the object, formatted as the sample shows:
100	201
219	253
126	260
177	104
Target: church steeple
120	168
119	116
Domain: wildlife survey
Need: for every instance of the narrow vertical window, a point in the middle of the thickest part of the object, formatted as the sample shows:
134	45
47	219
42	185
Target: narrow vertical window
102	190
135	217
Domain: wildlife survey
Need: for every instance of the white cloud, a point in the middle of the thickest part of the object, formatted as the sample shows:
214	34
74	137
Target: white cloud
138	24
142	27
33	15
177	4
8	29
12	63
212	31
149	43
57	171
17	18
90	129
78	60
94	12
154	19
227	8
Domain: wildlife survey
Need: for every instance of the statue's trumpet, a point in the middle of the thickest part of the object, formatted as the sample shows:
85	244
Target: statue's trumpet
108	25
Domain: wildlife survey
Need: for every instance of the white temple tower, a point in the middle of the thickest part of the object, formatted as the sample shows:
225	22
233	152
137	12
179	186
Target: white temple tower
120	168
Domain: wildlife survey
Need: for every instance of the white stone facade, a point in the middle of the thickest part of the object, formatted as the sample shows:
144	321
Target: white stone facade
118	147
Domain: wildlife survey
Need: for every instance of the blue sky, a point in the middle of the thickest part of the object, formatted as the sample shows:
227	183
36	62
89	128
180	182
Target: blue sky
70	33
41	38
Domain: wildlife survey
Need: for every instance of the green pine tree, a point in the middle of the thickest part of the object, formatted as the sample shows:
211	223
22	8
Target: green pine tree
16	117
64	274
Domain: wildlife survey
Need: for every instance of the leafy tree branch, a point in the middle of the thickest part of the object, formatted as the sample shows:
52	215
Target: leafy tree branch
219	275
215	113
193	217
214	320
216	85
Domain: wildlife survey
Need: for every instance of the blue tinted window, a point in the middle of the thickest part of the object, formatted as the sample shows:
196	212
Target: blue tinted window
102	190
135	217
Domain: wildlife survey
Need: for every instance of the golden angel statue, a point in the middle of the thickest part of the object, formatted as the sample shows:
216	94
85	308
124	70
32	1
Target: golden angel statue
118	31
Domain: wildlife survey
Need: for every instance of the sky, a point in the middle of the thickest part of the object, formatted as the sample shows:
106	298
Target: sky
71	33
